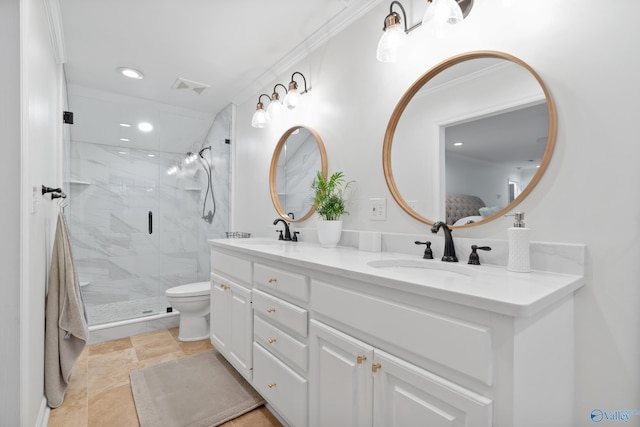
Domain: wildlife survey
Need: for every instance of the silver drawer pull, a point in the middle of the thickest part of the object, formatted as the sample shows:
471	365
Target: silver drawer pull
271	310
272	385
273	280
271	340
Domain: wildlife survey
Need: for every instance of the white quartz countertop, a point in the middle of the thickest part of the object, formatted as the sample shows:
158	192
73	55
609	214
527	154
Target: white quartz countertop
486	287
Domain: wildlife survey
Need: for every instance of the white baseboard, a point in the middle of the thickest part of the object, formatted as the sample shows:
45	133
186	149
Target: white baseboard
43	413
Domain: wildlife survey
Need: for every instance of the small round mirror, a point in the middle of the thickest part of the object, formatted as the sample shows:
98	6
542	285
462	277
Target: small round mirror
296	160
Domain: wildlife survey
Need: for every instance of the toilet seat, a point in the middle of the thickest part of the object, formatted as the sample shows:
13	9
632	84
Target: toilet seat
189	290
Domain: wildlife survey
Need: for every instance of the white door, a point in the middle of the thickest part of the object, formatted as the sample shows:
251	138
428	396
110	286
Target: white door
406	395
340	378
220	316
241	330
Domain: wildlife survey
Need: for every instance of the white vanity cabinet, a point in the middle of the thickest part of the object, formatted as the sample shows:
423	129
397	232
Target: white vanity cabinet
280	340
352	383
334	343
231	317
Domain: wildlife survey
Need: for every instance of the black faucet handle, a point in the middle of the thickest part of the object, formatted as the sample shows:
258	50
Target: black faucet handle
474	258
295	236
428	254
281	237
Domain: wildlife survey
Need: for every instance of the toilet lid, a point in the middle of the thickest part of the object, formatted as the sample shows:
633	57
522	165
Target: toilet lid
190	289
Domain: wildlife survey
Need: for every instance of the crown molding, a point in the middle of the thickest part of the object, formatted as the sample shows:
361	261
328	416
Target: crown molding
354	10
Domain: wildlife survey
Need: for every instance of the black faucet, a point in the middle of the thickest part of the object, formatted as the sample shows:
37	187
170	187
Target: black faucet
449	249
287	231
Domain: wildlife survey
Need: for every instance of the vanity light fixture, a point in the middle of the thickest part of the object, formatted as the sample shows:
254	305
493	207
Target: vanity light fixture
132	73
293	95
394	36
260	118
437	14
276	108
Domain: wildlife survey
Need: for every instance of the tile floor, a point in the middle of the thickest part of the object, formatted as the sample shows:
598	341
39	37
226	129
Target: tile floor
100	393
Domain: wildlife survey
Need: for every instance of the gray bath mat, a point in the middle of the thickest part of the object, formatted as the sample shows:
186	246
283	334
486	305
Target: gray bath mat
202	390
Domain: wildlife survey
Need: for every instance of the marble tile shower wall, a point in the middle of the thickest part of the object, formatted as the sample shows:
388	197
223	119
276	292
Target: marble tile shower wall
112	191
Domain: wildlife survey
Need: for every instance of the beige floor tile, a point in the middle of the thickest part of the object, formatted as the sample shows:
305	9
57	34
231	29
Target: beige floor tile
193	347
154	344
110	346
110	370
113	407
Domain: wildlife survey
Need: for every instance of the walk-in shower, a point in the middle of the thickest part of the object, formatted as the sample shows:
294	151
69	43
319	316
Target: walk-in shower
137	229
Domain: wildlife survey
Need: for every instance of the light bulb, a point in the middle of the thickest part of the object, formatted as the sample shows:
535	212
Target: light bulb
260	119
275	108
392	41
292	99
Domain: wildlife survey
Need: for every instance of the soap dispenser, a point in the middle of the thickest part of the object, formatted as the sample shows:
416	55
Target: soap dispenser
518	235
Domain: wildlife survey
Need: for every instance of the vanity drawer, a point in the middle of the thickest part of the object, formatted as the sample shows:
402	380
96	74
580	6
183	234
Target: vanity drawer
284	282
280	312
232	266
281	344
280	386
456	343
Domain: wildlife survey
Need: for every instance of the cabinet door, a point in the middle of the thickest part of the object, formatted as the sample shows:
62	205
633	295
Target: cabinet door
241	329
220	316
405	395
340	379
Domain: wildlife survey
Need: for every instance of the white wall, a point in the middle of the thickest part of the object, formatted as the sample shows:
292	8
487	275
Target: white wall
587	56
31	126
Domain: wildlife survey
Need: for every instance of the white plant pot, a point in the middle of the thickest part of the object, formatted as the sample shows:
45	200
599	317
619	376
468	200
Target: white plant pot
329	233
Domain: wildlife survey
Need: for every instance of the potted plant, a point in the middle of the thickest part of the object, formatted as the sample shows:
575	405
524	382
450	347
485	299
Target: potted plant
330	206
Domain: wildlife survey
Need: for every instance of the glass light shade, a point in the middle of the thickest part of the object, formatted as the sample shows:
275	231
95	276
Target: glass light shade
392	41
292	99
442	12
260	119
275	109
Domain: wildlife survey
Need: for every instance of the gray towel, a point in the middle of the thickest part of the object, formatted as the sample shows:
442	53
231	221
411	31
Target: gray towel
66	330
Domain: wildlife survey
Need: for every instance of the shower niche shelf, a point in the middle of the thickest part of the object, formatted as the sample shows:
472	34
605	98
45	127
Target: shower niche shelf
78	182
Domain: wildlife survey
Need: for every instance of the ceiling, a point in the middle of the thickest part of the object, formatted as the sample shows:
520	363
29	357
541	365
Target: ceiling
230	51
233	47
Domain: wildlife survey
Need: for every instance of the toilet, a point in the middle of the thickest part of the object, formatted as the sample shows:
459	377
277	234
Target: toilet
192	301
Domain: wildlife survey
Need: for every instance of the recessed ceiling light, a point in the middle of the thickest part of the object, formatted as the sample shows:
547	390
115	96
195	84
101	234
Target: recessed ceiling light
151	155
122	152
125	125
145	127
458	144
131	73
125	139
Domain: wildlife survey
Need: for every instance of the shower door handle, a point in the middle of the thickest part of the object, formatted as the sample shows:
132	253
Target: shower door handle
150	222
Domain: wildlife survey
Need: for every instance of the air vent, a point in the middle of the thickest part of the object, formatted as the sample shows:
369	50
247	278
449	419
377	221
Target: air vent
184	84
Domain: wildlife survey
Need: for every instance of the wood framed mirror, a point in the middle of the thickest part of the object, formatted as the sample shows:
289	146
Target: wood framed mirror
470	139
296	160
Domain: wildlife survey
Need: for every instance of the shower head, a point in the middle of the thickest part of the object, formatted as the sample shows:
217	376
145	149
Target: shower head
202	151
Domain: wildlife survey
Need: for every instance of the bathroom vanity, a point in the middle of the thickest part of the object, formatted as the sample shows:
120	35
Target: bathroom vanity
339	336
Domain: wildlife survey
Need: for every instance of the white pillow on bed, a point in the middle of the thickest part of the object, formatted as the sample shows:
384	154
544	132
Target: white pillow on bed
468	220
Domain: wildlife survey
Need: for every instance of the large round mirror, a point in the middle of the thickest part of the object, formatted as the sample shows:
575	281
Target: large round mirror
297	158
469	139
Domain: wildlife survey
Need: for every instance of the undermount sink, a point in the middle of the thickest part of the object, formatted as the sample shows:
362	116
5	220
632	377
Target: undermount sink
449	269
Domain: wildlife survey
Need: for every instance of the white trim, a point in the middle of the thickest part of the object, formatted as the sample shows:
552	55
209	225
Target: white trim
43	413
25	198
